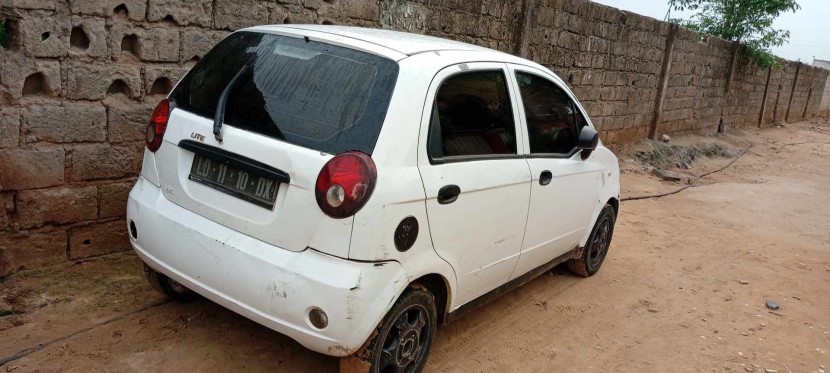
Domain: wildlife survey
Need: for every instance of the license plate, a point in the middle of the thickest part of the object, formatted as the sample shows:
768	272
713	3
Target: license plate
253	188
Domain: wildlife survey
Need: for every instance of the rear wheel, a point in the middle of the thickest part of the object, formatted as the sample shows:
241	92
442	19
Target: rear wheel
593	255
169	287
404	337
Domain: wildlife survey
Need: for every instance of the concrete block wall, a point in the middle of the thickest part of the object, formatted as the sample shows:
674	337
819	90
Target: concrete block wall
80	78
610	58
779	90
696	84
746	96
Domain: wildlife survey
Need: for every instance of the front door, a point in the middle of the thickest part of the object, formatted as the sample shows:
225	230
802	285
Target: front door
565	189
476	181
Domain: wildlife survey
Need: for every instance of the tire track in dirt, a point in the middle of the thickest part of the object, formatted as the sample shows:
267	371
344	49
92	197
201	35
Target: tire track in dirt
472	341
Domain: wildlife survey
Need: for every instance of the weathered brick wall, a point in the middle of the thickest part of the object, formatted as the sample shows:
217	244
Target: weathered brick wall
80	78
807	94
779	91
745	97
610	58
696	84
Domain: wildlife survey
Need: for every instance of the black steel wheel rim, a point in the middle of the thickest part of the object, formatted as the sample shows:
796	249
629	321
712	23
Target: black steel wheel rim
406	342
600	243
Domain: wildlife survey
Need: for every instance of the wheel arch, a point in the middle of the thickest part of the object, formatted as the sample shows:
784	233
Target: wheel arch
615	203
439	287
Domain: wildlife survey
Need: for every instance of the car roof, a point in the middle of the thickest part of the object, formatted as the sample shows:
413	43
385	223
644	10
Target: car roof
401	42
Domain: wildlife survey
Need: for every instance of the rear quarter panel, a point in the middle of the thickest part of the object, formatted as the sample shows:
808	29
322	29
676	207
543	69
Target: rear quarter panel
399	192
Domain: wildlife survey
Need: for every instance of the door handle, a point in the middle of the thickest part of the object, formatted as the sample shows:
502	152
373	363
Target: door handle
448	194
545	177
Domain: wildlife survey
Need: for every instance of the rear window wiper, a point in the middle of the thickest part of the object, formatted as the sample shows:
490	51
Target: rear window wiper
219	118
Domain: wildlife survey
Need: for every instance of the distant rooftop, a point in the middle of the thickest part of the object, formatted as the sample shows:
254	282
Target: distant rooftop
821	63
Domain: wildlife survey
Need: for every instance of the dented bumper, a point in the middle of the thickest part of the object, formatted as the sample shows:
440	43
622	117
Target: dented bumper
274	287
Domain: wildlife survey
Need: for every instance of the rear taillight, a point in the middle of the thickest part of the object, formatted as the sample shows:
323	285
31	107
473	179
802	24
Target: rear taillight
345	184
157	126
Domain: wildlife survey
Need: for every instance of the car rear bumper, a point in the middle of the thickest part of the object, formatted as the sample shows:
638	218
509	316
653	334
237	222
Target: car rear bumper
274	287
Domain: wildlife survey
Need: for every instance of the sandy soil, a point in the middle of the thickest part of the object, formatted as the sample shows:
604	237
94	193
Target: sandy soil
683	288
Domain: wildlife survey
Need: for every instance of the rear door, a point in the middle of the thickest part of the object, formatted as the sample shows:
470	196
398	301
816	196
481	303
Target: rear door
292	103
475	179
565	188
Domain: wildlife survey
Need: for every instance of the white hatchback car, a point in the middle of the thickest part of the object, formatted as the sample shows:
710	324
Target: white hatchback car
353	188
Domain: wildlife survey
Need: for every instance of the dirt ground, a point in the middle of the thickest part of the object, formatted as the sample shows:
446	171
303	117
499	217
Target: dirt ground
683	287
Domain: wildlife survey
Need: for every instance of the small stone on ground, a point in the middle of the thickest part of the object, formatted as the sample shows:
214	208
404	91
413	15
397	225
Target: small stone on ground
667	175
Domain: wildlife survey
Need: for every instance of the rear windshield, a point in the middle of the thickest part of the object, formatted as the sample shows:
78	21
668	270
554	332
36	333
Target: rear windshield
317	95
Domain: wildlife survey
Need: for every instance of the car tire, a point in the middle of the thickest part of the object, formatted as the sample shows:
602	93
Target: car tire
593	255
403	339
169	287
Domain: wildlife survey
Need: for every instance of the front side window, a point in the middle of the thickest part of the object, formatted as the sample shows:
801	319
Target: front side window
472	116
553	119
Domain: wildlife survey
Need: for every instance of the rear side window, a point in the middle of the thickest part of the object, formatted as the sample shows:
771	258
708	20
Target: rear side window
553	119
308	93
472	116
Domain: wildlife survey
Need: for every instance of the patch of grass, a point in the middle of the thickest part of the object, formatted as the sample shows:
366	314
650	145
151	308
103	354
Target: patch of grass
665	156
4	34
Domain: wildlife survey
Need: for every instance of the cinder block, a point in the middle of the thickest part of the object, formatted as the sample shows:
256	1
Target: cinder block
90	81
29	168
74	122
237	14
40	78
182	12
114	199
94	30
31	249
44	34
132	9
98	239
128	123
160	45
30	4
153	74
88	7
56	205
197	42
369	10
104	161
9	127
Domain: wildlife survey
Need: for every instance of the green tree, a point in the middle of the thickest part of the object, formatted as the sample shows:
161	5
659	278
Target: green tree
748	22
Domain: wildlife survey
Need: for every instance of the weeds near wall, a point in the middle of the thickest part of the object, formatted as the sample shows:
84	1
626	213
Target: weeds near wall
4	34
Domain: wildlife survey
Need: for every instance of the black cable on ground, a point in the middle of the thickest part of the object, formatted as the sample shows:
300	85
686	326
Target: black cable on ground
41	346
694	182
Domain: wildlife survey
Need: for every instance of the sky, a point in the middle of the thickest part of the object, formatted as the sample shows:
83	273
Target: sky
809	27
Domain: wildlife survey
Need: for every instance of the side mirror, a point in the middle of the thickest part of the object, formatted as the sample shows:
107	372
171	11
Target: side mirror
588	141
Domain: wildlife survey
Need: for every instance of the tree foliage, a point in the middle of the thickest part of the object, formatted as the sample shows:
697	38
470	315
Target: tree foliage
748	22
